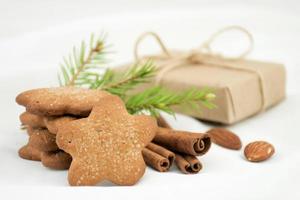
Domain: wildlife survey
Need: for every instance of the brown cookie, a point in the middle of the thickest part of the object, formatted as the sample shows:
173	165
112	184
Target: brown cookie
56	160
107	145
60	100
42	140
30	153
29	130
53	123
32	120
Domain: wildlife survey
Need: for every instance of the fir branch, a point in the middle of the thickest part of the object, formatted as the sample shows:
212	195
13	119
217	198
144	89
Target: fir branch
104	79
77	69
157	99
120	83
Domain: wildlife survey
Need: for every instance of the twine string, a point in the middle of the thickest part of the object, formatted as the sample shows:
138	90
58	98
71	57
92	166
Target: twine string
201	55
158	40
206	46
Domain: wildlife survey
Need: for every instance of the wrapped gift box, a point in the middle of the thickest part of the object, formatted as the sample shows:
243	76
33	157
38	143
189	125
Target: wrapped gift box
243	87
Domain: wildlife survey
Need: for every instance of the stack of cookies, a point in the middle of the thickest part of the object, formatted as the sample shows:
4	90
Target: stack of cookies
86	131
91	133
46	111
41	144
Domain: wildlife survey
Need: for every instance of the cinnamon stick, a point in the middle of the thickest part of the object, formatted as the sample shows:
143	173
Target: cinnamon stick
162	151
161	122
188	164
182	141
155	160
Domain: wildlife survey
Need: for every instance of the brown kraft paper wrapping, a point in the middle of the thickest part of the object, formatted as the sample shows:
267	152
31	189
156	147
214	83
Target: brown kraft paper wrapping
184	142
238	92
243	87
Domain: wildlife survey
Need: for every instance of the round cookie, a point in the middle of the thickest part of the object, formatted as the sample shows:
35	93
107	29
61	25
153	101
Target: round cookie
60	100
56	160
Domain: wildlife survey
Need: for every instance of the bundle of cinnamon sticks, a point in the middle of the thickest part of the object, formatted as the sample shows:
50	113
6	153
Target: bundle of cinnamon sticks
180	146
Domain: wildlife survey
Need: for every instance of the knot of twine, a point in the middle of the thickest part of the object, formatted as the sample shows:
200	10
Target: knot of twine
201	56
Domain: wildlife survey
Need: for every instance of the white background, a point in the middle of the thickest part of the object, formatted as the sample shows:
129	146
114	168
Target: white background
34	35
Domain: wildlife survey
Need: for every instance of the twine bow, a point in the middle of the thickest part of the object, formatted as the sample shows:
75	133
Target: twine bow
204	55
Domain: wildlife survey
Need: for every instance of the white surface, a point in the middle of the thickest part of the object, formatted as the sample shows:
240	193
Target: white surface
30	59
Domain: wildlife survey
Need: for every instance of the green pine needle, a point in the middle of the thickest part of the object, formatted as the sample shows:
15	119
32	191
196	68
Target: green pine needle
77	69
120	83
157	99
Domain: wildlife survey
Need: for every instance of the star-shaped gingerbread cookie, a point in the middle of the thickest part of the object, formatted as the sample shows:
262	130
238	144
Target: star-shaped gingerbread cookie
107	144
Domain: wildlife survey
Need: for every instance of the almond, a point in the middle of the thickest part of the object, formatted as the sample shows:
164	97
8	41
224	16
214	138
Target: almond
225	138
258	151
